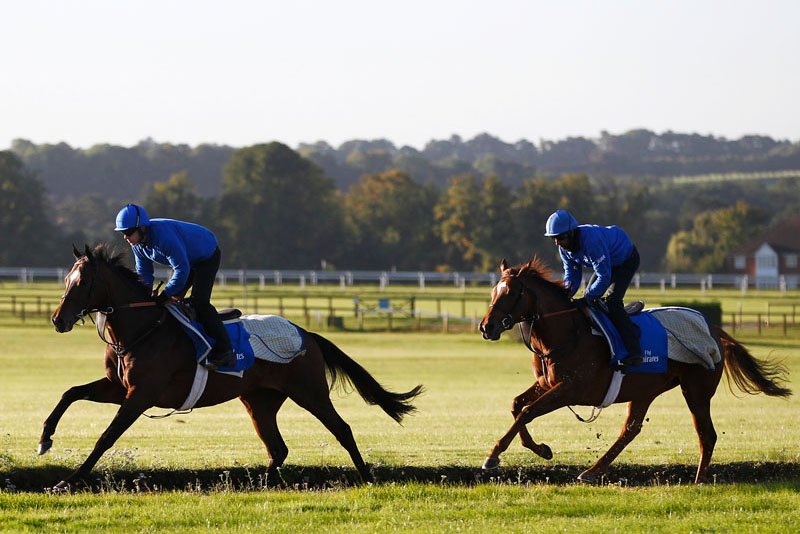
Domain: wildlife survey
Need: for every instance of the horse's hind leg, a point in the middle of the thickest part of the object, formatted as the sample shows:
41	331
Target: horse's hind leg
102	390
699	402
263	406
637	410
322	408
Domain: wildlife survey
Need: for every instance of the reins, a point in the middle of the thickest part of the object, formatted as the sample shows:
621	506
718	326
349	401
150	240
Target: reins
508	322
119	348
101	324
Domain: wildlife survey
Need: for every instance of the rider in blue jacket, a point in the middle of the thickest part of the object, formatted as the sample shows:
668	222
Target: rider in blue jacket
612	255
192	252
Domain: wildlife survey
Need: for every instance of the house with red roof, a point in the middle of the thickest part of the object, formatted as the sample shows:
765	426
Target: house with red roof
771	260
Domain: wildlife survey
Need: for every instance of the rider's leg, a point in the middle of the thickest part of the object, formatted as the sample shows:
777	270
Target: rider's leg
204	275
621	277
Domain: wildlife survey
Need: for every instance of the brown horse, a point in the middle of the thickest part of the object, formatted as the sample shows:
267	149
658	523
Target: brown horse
150	364
571	367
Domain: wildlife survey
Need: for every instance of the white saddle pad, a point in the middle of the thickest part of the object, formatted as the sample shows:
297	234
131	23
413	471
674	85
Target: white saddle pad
274	338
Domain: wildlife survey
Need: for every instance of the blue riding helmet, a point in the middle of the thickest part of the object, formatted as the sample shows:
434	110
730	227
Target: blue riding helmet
131	216
560	222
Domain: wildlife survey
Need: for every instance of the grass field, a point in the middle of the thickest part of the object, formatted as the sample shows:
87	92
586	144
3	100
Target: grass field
205	470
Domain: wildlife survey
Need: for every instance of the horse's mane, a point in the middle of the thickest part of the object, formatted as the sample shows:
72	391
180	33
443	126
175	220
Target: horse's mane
539	270
115	260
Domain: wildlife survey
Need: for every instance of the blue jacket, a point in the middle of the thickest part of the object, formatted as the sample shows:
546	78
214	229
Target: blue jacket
177	244
599	247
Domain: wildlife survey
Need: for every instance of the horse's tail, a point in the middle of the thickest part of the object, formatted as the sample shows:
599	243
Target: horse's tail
750	374
341	365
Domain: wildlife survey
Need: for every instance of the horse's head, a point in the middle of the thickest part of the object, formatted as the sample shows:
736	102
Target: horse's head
82	293
519	296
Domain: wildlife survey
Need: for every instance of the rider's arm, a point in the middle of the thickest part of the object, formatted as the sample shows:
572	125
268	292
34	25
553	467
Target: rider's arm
573	272
144	266
179	261
599	255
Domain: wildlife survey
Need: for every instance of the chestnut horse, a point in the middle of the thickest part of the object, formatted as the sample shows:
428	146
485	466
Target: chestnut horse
150	363
571	367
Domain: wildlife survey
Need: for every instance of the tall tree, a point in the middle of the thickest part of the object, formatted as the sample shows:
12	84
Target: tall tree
278	210
458	217
714	234
389	217
494	236
175	198
89	218
27	236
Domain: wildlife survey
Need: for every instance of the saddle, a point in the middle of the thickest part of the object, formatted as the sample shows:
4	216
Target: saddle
229	314
186	306
634	307
653	337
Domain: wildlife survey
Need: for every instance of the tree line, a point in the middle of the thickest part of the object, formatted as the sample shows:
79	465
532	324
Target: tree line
123	172
275	207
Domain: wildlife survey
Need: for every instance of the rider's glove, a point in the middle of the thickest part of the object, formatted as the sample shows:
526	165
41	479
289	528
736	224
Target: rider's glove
162	298
583	302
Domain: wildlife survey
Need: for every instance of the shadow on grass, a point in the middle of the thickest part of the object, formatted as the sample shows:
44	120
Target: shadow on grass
291	477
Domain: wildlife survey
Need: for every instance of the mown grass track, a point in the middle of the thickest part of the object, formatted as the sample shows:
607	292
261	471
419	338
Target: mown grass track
207	467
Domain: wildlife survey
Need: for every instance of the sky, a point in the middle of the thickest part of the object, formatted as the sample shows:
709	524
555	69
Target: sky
239	72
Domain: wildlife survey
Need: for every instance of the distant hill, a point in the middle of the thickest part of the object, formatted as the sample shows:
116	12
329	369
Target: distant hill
123	172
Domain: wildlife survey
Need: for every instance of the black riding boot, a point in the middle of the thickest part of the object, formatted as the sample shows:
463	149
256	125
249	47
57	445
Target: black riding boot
222	354
629	333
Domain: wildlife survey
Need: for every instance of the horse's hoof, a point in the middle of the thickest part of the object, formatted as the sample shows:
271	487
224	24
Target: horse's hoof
62	487
545	452
44	446
492	462
588	477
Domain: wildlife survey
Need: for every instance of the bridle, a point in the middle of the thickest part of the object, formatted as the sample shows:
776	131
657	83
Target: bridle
508	321
66	297
104	311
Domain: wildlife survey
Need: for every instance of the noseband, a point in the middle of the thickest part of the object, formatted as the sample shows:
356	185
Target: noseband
508	322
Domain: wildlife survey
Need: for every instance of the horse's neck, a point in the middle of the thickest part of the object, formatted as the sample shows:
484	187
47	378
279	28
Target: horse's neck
124	321
554	331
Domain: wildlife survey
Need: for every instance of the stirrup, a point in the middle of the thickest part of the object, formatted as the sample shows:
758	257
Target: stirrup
632	361
218	360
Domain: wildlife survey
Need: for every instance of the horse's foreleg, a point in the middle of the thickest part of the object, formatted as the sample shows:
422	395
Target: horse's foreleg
548	401
528	397
263	406
633	425
102	390
130	410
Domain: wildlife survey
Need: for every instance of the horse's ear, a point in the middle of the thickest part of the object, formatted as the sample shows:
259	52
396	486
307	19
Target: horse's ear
88	252
503	265
75	252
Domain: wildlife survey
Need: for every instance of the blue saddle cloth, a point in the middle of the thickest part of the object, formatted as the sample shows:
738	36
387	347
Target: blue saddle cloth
203	343
653	337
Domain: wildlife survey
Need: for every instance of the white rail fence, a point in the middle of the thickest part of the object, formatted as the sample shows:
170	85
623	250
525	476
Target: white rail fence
422	279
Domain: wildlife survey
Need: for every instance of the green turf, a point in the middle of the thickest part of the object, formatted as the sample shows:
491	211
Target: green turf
427	469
